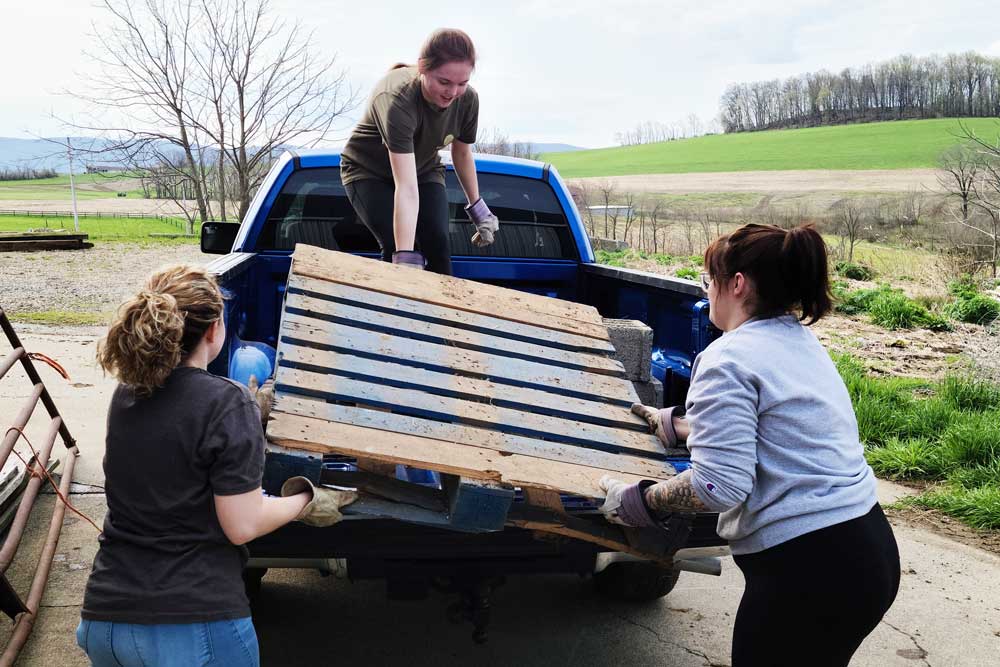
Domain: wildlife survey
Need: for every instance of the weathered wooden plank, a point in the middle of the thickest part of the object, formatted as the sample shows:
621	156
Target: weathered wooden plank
459	459
545	499
448	291
363	317
429	312
445	409
349	340
460	386
606	535
504	443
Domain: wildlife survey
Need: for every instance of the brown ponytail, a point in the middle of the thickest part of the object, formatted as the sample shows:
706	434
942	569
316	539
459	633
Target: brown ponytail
787	268
157	328
447	45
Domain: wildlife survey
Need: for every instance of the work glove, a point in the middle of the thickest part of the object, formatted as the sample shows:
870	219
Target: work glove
624	503
264	395
410	258
661	422
486	223
324	508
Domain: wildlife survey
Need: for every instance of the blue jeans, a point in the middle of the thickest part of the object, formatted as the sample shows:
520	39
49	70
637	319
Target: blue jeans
219	644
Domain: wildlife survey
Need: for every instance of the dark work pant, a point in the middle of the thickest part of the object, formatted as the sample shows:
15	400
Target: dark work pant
372	200
813	600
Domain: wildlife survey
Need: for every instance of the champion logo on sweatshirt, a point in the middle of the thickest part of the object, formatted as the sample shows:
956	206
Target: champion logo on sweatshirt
710	487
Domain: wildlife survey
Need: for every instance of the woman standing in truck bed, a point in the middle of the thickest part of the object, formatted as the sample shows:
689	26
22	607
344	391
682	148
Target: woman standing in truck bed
390	166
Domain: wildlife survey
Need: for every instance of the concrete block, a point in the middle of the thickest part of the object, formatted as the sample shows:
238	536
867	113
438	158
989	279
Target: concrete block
650	393
633	343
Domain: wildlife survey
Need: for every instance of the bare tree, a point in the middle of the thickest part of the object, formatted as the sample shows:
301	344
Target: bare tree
496	142
848	217
607	191
224	84
630	200
958	168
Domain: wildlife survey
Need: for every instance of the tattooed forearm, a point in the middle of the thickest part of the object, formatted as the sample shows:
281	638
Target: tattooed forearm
675	495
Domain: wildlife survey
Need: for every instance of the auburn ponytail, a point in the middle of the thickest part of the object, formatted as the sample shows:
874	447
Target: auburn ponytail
788	269
156	329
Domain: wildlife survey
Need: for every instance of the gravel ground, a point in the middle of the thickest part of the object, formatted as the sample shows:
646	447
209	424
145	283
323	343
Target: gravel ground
83	281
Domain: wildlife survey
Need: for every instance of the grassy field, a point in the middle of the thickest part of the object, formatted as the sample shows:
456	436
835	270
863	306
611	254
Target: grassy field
101	229
940	432
891	145
88	186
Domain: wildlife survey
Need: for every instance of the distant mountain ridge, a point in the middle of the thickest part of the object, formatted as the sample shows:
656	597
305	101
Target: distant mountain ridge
45	154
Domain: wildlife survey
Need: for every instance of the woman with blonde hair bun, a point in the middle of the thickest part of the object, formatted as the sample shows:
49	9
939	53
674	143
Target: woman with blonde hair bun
183	466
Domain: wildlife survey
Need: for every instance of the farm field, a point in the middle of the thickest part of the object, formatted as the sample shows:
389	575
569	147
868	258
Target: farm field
883	146
88	186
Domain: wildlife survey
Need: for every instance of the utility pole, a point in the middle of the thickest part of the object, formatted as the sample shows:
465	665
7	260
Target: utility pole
72	187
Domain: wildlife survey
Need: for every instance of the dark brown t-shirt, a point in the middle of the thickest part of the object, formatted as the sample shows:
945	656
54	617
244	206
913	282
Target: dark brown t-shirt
163	557
399	119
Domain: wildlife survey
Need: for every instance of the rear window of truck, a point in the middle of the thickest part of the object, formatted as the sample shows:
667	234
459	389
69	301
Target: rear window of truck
313	208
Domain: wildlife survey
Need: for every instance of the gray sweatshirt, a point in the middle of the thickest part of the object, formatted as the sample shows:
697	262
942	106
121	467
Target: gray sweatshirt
774	440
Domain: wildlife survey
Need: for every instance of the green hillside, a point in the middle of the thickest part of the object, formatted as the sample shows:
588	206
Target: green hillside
892	145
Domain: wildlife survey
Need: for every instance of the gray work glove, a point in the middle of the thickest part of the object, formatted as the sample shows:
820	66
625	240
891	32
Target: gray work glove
324	508
661	422
410	258
624	503
486	223
264	395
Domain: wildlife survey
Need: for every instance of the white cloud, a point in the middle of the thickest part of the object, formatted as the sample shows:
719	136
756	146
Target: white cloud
550	70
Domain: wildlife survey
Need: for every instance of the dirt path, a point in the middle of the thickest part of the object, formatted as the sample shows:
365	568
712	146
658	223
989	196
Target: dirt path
899	180
109	206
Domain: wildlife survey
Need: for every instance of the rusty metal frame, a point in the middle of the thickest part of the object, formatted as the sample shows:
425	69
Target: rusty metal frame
24	612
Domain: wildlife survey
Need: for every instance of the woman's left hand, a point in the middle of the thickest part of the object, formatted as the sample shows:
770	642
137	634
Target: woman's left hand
486	223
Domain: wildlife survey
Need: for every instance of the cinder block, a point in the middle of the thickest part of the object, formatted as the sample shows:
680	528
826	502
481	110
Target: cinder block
633	343
650	393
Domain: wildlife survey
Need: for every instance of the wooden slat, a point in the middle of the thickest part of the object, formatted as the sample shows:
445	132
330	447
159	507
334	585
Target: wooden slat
460	386
458	459
404	327
507	304
375	422
546	499
499	369
443	409
429	312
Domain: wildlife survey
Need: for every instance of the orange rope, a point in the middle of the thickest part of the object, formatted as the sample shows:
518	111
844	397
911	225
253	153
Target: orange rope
38	356
39	471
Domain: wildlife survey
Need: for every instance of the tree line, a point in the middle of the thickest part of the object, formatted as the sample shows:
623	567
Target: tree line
906	87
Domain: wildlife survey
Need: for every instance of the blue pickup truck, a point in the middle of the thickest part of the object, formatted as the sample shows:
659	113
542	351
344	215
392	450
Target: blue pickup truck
542	248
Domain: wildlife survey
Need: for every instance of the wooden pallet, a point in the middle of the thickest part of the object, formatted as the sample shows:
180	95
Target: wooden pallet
491	387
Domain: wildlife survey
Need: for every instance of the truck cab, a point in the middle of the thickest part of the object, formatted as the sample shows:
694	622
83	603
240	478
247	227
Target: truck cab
542	248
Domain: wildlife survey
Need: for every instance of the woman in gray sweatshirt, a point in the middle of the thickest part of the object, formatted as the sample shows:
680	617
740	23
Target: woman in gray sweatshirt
775	450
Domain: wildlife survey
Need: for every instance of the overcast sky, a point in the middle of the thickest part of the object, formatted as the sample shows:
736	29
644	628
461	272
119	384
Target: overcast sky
572	71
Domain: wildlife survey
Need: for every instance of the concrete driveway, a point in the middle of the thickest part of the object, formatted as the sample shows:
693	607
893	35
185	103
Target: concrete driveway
947	612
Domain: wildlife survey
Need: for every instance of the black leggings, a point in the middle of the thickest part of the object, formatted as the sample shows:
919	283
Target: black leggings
373	202
813	599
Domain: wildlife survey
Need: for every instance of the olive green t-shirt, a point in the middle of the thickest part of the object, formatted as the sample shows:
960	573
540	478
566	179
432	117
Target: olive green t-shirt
399	119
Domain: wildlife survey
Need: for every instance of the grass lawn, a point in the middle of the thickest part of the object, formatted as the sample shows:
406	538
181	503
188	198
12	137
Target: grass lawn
101	229
888	145
942	432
